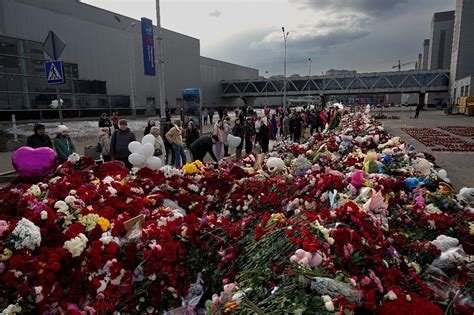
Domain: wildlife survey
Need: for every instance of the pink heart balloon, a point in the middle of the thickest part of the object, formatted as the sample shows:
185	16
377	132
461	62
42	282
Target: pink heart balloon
34	164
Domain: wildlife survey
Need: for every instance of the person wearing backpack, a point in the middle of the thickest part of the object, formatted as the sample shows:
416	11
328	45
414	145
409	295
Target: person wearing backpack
103	146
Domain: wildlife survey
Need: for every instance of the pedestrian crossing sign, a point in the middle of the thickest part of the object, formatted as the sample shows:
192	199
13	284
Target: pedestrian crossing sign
54	72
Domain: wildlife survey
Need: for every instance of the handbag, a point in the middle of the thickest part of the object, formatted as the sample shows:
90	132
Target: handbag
158	152
98	147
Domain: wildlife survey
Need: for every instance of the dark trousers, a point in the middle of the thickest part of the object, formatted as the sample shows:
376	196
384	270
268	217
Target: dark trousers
264	145
205	121
417	113
226	150
248	146
169	154
107	158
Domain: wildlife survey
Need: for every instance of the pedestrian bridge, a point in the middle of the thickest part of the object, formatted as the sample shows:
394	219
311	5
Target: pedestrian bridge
360	83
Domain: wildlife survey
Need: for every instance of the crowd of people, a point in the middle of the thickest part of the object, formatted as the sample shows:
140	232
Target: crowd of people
253	129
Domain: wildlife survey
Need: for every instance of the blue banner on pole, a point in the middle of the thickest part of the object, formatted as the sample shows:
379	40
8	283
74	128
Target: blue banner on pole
148	47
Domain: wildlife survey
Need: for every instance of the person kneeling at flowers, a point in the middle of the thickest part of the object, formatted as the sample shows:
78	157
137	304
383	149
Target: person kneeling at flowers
202	146
63	144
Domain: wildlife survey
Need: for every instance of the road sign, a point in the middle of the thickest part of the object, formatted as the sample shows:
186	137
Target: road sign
53	45
54	72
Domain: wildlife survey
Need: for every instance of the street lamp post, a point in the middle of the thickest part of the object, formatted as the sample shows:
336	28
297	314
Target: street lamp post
132	60
266	89
285	38
161	74
309	81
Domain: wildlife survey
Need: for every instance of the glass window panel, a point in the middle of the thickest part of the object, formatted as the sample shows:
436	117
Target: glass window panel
13	83
16	101
82	101
36	50
3	83
8	46
66	100
12	64
4	101
42	86
71	70
2	67
37	67
23	47
103	102
94	101
84	87
65	88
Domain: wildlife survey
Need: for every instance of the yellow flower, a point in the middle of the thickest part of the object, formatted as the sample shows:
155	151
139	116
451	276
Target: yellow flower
7	253
103	223
190	168
183	232
471	228
198	163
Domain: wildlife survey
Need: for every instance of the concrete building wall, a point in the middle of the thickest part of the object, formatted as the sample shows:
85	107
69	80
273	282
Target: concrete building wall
212	72
462	64
463	87
102	48
441	40
426	51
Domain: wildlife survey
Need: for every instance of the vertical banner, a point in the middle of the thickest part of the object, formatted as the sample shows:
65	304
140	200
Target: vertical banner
148	47
192	106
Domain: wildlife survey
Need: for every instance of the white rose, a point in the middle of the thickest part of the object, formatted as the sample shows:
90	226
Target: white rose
76	245
390	295
44	215
326	298
60	205
70	200
408	297
329	306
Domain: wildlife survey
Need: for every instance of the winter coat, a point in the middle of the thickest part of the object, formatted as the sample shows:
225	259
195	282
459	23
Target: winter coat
175	135
160	144
104	141
201	147
119	143
249	131
63	147
191	136
219	132
264	135
238	131
227	131
104	122
38	141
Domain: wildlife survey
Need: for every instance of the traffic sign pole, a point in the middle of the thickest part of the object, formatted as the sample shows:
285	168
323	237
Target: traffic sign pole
58	95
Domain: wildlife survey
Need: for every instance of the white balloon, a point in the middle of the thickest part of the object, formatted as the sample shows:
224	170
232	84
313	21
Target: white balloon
136	159
147	150
148	139
135	147
154	163
233	141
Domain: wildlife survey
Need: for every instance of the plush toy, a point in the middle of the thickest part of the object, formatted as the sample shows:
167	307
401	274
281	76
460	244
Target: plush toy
357	178
422	167
467	195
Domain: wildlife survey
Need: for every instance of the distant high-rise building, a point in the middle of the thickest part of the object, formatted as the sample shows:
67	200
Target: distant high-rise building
420	60
462	62
442	26
426	51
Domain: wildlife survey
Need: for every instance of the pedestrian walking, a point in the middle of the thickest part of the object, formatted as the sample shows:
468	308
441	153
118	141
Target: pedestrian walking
264	135
219	132
211	115
104	143
39	139
175	137
250	134
160	149
238	131
121	138
63	144
151	124
203	146
286	126
205	115
417	111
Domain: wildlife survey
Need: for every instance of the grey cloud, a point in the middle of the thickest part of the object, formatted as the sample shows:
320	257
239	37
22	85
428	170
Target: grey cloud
215	13
368	7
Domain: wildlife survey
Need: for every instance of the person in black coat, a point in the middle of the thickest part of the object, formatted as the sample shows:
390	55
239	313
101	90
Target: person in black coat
151	124
264	135
250	135
295	127
104	121
202	146
191	134
39	139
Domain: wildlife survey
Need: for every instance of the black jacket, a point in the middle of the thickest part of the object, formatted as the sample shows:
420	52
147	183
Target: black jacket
104	122
200	147
119	143
36	141
191	136
264	134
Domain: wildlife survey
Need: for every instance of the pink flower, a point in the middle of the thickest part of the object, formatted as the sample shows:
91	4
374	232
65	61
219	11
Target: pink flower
3	227
365	281
376	280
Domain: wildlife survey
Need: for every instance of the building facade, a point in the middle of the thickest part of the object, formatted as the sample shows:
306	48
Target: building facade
103	61
462	64
426	51
441	40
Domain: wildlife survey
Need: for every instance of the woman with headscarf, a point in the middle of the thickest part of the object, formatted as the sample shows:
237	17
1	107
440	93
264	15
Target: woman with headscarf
160	149
63	144
39	138
151	124
104	142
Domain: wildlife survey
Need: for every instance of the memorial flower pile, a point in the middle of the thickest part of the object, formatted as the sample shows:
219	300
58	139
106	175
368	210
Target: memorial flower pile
352	222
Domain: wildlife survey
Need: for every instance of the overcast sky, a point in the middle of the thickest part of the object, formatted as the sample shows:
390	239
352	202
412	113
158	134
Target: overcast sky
362	35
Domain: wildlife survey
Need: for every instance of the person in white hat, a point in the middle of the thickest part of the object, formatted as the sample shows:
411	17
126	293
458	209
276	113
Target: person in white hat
63	144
